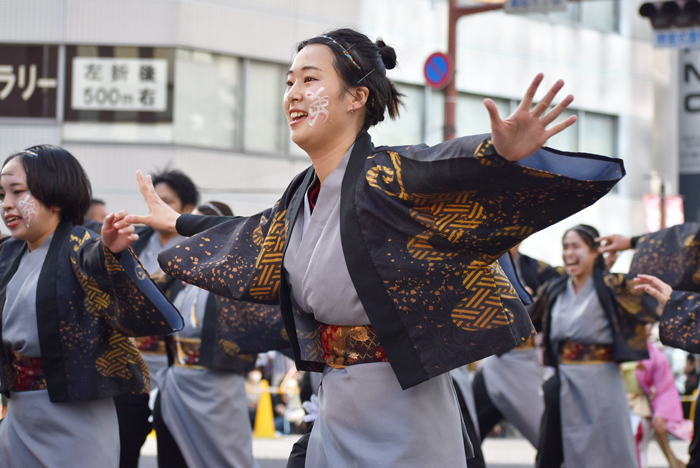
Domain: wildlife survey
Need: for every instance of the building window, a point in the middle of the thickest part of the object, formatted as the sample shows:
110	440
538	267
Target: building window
598	134
265	125
568	140
207	96
408	128
601	14
472	116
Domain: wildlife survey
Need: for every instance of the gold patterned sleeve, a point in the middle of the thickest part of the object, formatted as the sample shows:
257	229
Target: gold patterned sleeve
239	259
118	289
462	195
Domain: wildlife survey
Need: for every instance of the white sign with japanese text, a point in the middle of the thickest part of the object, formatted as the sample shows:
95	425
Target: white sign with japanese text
119	84
534	6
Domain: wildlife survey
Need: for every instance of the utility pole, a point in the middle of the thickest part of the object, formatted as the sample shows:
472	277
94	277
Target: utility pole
456	12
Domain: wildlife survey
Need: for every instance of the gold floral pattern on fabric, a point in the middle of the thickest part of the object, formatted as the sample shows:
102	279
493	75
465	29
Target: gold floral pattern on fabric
153	344
116	362
579	353
24	373
349	345
187	351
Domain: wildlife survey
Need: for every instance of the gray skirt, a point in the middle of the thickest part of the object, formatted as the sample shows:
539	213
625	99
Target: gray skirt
37	432
366	420
595	422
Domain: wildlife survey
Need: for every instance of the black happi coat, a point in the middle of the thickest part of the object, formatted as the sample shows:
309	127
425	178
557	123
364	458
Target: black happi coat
88	303
623	307
234	332
421	228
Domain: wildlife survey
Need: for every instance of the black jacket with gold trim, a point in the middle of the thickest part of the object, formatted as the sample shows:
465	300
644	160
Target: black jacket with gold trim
624	308
421	229
89	302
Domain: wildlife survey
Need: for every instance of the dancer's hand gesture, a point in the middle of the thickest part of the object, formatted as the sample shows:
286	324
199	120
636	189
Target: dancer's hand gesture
162	217
525	131
655	288
117	233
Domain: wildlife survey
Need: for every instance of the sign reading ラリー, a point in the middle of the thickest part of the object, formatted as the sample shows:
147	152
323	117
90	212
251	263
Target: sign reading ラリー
119	84
28	80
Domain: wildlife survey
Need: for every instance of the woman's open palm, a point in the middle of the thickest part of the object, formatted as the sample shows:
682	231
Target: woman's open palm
162	217
525	130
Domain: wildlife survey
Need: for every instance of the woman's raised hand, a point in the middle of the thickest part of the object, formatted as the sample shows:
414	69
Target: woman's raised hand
655	288
162	217
117	234
525	131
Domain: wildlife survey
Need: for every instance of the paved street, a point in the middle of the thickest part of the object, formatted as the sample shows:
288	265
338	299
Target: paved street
499	453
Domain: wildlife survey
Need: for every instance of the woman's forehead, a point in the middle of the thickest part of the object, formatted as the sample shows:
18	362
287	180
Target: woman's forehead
12	169
318	56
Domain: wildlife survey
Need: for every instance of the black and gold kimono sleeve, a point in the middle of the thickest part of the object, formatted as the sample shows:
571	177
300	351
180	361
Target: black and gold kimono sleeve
680	322
672	254
435	220
120	290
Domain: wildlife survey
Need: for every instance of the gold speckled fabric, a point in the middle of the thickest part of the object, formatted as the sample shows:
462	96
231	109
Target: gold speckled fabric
422	228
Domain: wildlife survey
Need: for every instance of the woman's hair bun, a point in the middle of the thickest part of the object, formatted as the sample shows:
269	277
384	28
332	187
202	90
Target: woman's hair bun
387	53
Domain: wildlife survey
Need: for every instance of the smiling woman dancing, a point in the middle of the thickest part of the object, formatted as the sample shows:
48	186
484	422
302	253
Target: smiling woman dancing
591	321
384	260
69	303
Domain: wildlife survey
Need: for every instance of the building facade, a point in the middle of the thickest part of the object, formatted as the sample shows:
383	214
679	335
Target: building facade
197	85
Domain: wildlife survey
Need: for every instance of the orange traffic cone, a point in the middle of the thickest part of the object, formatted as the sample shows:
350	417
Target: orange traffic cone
264	417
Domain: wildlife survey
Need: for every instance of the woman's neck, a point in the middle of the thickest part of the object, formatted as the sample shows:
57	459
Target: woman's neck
36	243
579	280
326	158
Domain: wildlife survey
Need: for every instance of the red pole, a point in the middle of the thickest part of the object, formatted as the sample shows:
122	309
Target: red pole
455	13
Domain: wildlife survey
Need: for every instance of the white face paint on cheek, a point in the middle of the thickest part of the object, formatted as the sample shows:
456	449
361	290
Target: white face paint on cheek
27	209
318	106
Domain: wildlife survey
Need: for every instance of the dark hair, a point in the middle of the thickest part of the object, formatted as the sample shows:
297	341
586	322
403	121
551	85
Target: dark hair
57	180
690	358
215	208
589	234
181	184
96	201
368	67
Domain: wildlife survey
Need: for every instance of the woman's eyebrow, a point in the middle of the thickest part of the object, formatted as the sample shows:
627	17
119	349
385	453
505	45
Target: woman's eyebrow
307	67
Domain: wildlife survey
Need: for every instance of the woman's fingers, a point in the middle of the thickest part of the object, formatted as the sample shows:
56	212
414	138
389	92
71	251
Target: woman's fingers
137	219
560	127
552	115
544	104
655	287
493	112
531	91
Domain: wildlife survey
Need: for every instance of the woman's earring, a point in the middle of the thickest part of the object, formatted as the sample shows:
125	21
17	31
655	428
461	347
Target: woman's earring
352	109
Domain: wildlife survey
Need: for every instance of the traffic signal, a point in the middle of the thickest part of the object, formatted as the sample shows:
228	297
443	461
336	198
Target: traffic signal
666	15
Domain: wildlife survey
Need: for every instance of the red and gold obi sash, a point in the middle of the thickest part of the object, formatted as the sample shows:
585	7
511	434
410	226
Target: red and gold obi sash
187	352
24	373
150	344
348	345
579	353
